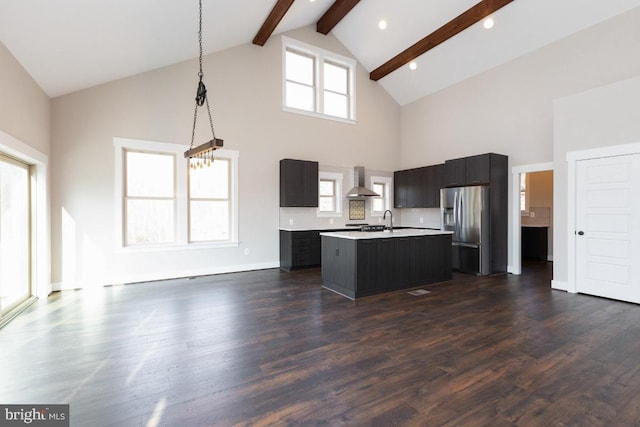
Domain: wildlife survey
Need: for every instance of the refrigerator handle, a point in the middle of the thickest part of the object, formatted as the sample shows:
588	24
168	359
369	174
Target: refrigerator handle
455	214
461	213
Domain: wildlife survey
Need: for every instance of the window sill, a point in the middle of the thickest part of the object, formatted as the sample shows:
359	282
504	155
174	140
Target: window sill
178	247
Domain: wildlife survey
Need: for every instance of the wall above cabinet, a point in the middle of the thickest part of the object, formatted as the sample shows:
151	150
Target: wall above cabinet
298	183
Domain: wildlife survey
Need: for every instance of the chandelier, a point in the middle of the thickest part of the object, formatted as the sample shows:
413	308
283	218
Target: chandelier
202	154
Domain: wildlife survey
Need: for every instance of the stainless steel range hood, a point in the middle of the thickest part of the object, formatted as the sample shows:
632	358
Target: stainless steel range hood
360	190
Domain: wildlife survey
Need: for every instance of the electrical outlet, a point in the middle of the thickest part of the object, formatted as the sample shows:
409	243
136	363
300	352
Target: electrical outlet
246	251
330	220
379	220
290	221
532	214
421	220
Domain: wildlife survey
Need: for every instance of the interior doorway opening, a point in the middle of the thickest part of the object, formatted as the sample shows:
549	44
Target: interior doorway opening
532	214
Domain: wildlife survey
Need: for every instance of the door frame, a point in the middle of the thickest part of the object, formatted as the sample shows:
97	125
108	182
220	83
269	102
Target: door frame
516	250
40	227
572	186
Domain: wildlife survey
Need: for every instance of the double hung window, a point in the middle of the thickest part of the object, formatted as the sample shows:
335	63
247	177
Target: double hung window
318	82
164	203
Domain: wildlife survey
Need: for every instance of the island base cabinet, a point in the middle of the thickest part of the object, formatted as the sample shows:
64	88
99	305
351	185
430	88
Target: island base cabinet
338	265
360	267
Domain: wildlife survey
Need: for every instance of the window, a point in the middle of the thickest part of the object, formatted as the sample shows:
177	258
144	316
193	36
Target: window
162	203
209	202
150	198
382	186
330	194
327	192
318	82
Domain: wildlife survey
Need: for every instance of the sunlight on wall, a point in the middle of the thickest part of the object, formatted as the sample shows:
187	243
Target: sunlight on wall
93	264
69	252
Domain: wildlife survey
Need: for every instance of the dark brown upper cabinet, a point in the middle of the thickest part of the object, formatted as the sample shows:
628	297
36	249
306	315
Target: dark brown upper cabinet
418	188
473	170
298	183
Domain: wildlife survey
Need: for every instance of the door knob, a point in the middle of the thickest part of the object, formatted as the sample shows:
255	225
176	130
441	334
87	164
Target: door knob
580	233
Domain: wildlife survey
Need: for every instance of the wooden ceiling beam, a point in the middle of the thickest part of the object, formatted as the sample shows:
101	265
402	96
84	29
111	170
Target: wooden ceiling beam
334	15
277	13
442	34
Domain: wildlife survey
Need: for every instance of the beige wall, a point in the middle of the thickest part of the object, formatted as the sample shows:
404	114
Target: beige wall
602	117
509	109
245	91
25	110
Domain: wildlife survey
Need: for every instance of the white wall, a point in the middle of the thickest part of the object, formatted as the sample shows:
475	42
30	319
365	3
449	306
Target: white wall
509	109
601	117
244	86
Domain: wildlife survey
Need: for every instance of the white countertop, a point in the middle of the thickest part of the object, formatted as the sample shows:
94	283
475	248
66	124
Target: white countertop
344	227
407	232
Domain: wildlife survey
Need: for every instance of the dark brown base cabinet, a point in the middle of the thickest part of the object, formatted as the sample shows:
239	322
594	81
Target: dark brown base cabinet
360	267
299	249
535	243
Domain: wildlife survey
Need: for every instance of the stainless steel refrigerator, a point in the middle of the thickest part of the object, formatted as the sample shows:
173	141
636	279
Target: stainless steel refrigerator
465	211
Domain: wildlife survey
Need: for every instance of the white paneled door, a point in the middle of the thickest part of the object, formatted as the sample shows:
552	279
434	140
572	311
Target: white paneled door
608	227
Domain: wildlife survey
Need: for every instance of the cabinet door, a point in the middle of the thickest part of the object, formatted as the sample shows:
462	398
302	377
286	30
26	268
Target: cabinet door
310	184
400	189
433	176
298	183
478	169
414	188
454	173
375	266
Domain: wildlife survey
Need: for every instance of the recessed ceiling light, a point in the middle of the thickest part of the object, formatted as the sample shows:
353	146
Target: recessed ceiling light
413	65
488	23
382	24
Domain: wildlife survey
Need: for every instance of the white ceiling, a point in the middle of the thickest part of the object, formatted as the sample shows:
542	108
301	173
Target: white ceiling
67	45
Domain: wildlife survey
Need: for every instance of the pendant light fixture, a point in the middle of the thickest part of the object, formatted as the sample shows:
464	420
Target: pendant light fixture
203	154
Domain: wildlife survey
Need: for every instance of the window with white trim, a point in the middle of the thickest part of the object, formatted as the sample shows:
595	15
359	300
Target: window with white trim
329	194
318	82
149	198
209	202
382	186
162	203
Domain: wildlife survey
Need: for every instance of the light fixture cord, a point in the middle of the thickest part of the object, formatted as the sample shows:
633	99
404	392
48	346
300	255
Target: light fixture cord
201	94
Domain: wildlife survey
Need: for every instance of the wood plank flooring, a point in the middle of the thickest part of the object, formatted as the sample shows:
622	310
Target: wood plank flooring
269	348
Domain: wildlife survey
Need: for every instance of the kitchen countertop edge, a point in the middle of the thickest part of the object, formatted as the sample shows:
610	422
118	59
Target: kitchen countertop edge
407	232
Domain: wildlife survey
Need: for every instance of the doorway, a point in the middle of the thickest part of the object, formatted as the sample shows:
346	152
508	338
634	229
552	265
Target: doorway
517	211
15	235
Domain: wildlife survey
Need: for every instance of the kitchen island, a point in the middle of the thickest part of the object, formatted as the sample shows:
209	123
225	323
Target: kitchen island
356	264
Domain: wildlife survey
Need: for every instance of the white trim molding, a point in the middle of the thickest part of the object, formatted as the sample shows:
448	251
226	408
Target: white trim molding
572	158
516	255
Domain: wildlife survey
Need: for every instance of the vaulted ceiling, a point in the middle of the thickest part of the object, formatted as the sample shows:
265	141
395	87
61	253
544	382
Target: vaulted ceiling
67	45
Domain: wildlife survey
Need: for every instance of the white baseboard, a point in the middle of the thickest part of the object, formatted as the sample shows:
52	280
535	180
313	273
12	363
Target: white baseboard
148	277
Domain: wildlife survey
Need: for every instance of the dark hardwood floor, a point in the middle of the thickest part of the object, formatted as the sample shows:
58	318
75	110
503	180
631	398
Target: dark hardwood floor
273	348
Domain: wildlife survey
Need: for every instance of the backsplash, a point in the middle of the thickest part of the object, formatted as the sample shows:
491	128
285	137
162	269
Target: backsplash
418	217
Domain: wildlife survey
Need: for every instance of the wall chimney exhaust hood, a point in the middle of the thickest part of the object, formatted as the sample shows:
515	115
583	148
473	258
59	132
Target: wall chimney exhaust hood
360	190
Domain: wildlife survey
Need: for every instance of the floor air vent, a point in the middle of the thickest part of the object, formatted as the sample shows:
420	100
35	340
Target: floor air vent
418	292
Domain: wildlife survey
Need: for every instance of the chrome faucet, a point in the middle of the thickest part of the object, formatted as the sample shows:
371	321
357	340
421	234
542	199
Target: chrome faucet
384	216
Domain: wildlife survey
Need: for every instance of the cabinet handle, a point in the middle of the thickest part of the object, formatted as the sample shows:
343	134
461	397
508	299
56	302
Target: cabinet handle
337	251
